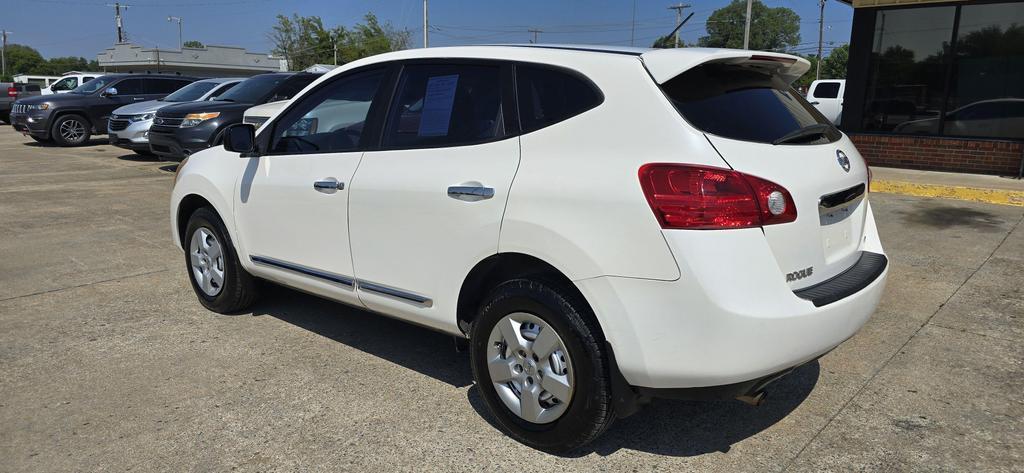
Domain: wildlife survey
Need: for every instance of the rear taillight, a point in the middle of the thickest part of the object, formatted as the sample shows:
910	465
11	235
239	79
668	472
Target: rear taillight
706	198
12	92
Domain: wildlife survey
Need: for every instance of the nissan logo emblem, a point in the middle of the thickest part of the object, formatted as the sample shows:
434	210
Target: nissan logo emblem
844	161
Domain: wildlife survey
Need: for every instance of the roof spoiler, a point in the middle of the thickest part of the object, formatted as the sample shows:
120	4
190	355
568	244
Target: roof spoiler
664	64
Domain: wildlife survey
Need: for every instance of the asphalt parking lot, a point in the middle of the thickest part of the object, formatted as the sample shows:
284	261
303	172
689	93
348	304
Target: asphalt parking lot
107	362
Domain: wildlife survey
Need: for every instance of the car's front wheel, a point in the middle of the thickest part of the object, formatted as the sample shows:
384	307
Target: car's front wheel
217	277
70	130
540	367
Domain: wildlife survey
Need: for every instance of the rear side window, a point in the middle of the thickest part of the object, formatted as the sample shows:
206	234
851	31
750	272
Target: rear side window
548	96
445	105
826	90
743	103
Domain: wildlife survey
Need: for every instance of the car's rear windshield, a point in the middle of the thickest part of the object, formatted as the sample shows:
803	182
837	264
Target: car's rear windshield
743	103
191	92
255	89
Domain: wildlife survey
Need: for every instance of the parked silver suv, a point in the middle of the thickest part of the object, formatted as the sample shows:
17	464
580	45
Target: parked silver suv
129	126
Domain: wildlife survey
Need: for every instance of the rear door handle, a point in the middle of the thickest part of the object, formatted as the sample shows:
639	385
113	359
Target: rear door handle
470	193
328	186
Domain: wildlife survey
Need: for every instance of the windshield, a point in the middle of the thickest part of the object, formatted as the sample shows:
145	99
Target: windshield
191	92
742	103
253	90
94	85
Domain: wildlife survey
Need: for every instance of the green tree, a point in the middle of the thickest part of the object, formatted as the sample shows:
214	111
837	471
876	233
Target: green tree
304	41
22	60
770	28
193	44
834	65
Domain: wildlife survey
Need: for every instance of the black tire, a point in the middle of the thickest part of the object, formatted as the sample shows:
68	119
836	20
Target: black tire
591	410
72	120
238	290
5	117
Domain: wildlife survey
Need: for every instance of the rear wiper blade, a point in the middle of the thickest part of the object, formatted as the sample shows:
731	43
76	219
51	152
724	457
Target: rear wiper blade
808	131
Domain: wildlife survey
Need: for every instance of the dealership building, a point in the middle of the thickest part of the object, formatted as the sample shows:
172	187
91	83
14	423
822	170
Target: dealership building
937	85
207	61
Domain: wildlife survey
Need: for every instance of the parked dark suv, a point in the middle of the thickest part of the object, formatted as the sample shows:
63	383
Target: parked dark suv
180	130
70	119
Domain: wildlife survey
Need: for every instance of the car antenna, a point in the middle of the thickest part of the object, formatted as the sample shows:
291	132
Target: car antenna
680	25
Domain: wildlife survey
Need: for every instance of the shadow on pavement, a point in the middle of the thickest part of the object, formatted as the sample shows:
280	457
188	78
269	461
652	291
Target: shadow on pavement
51	144
690	428
425	351
139	158
665	427
936	215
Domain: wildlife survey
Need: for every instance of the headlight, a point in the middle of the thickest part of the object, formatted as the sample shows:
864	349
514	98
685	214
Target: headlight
141	118
41	106
194	119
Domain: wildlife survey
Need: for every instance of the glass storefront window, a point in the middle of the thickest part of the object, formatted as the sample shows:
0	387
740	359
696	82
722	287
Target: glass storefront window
986	94
906	82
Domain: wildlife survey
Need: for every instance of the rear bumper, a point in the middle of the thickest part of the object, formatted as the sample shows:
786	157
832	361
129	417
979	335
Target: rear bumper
729	320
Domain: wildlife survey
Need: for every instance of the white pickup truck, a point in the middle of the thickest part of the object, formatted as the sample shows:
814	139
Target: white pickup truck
827	96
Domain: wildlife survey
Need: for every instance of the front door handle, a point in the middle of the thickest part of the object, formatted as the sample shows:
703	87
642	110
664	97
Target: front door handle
470	193
328	186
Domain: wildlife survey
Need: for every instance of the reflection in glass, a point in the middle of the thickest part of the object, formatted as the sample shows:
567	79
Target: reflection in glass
987	89
907	74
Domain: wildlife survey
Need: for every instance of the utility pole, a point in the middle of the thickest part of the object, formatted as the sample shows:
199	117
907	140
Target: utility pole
3	54
535	32
426	26
118	22
679	17
179	20
821	31
335	51
746	27
632	27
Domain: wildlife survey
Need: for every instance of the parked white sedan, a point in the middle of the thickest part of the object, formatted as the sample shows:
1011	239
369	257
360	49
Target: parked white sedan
602	225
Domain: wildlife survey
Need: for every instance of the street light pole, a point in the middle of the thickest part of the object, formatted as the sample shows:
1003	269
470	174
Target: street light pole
179	20
3	54
426	26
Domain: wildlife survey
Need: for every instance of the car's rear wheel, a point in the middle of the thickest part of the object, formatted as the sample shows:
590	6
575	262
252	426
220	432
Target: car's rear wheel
70	130
540	367
5	117
217	277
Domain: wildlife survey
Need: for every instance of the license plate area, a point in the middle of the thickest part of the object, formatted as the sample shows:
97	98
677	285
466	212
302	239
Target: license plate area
840	231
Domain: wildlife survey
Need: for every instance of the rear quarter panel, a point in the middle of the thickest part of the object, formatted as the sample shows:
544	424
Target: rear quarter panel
576	200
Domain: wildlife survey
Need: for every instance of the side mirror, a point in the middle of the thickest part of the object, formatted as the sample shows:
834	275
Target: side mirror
240	138
110	92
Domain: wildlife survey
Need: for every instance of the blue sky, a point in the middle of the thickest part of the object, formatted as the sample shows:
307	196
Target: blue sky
86	27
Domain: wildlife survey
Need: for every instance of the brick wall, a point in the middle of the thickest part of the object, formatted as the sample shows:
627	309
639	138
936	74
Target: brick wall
941	154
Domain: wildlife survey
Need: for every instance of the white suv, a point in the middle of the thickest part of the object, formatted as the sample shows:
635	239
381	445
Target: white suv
603	225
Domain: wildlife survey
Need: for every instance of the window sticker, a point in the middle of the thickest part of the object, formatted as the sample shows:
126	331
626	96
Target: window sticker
437	105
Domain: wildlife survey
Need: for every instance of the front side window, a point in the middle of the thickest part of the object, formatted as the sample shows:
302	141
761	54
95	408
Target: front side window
130	87
332	119
743	103
548	96
445	105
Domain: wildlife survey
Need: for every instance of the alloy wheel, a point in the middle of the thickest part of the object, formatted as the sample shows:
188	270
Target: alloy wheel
72	130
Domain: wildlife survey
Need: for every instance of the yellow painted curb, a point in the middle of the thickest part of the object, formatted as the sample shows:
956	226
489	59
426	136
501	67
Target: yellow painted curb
973	194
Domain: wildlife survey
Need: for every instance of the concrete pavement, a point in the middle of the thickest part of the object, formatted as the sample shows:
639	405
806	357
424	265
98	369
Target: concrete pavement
107	362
